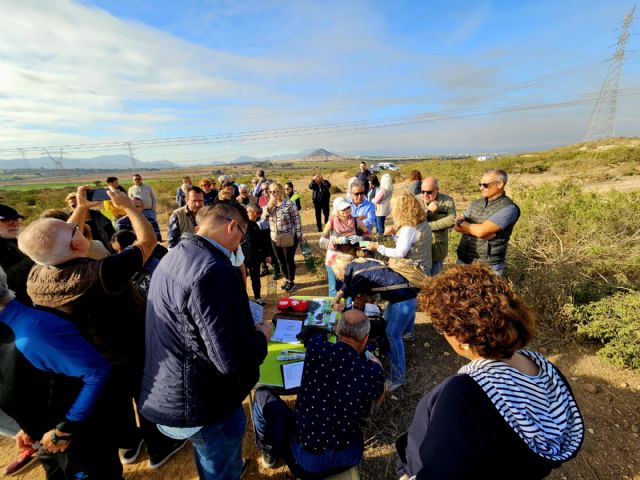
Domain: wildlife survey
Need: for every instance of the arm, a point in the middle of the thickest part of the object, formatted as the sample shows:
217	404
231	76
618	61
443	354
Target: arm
173	235
405	238
379	196
446	222
371	216
297	224
146	237
480	230
154	200
179	196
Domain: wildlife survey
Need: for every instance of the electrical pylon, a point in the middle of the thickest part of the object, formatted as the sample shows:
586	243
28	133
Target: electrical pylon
603	117
56	162
134	162
24	157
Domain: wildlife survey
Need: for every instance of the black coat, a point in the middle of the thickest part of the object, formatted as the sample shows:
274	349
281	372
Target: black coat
320	193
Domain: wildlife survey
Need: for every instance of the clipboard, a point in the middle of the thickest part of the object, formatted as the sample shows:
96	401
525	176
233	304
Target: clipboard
292	374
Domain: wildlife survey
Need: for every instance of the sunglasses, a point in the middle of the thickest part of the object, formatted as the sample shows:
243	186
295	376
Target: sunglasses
427	192
487	185
273	191
73	233
357	193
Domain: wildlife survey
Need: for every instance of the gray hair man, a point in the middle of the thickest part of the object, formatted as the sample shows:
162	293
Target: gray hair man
441	215
339	383
487	223
361	207
97	296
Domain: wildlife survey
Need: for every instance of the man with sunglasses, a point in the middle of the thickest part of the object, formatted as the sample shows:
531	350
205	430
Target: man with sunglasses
361	207
487	223
203	350
441	215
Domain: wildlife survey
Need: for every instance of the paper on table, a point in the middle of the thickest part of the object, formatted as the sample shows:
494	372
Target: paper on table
292	374
256	312
286	331
371	310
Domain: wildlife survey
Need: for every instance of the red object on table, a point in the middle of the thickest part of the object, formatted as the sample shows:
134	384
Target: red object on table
292	304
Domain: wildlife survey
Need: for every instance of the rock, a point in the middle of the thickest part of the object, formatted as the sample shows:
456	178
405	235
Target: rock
624	385
446	354
591	388
394	398
635	428
590	430
426	344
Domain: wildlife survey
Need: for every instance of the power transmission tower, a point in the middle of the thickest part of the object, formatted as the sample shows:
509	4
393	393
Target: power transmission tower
134	161
603	116
24	157
56	162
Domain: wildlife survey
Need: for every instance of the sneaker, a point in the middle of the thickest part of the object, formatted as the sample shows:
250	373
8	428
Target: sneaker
130	455
268	460
25	458
158	460
391	386
285	285
290	286
260	302
409	336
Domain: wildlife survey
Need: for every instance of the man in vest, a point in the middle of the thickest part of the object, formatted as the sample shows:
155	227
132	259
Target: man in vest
441	215
183	219
487	224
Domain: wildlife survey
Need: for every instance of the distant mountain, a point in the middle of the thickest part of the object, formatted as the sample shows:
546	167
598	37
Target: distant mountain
320	153
103	162
245	159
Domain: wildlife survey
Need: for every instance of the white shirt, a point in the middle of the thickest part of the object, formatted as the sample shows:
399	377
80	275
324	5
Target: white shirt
405	237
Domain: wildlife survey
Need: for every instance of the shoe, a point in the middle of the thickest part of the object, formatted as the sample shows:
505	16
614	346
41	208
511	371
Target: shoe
268	460
409	336
391	386
158	460
285	285
319	229
25	458
260	302
290	286
130	455
245	467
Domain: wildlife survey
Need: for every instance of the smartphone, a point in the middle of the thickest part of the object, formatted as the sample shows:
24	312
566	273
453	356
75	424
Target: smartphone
97	195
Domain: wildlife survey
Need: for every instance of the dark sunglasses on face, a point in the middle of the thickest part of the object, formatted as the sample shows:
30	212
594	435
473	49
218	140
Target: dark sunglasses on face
487	185
427	192
357	193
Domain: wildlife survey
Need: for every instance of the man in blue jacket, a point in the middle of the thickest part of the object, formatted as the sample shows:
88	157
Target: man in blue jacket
52	382
203	350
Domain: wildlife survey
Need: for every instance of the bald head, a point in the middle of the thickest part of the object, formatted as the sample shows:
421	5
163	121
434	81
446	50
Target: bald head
50	241
354	324
429	189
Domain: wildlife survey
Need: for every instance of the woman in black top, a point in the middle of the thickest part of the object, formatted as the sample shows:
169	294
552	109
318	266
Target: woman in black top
509	413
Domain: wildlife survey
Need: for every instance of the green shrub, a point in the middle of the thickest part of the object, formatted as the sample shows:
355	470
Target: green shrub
615	322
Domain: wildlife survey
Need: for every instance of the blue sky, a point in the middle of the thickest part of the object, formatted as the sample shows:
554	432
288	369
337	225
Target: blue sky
482	73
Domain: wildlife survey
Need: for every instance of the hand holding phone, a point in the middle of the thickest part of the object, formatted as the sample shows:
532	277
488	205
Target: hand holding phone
97	195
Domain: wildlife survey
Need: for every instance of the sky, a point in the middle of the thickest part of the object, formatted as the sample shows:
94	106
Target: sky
267	77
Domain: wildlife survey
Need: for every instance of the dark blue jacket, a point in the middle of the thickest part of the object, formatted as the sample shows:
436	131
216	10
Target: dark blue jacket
203	352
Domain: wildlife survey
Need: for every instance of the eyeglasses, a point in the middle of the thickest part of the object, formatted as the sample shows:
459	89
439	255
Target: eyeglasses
242	232
357	193
487	185
273	191
427	192
73	233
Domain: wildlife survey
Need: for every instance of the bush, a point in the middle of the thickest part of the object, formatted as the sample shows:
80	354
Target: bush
335	189
615	322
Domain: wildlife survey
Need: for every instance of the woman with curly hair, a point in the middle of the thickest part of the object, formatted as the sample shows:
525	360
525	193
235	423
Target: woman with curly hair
509	413
416	182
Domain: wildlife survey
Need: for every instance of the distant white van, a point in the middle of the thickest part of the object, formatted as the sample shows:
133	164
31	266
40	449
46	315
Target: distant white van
387	166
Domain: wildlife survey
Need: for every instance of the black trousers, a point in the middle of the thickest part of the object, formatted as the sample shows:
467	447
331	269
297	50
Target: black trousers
321	208
286	259
254	274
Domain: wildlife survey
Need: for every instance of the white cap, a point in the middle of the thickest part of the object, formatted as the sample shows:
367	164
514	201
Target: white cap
340	204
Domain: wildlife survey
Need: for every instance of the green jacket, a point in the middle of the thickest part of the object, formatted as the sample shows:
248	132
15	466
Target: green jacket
441	221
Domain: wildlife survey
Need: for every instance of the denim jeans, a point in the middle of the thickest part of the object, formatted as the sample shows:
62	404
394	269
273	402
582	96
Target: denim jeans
399	316
380	226
217	447
334	283
437	267
498	268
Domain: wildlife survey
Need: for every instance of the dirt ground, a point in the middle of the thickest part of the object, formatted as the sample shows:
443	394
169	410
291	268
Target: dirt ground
608	397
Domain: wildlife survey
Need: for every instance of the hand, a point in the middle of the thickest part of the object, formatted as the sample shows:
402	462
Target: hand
120	199
433	206
362	217
81	198
23	440
373	246
338	306
266	329
272	202
49	446
390	230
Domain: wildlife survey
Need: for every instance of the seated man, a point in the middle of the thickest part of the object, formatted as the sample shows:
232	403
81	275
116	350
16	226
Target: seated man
339	383
60	404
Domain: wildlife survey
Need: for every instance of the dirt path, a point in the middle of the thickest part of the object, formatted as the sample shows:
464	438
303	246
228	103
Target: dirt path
609	399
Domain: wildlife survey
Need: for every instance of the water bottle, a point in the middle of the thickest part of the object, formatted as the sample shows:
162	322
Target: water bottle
271	290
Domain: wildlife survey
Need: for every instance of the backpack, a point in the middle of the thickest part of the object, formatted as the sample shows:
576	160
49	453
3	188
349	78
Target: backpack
411	271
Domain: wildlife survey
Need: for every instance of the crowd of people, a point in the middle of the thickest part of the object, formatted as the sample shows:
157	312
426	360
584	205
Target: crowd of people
99	321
